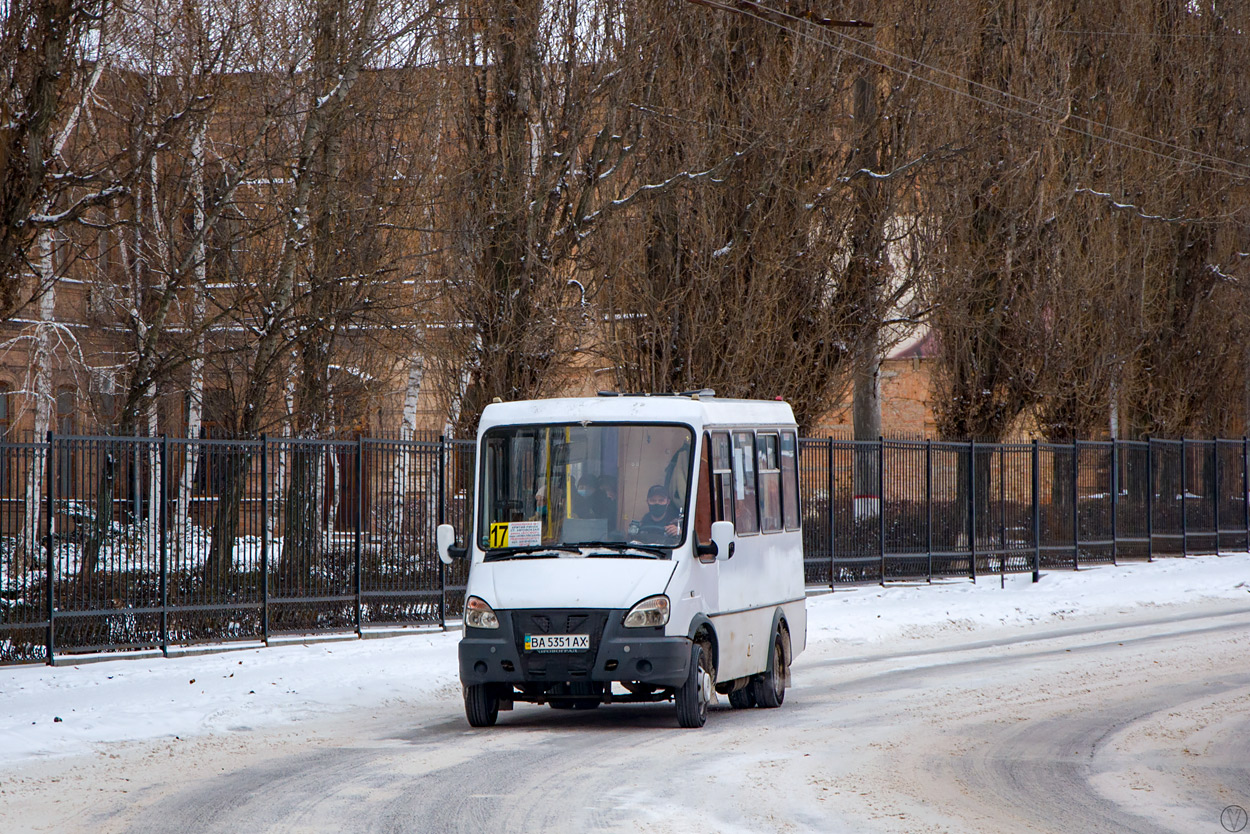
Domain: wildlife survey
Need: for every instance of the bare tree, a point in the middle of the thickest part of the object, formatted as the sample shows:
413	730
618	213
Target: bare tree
728	281
49	55
328	274
1190	241
535	109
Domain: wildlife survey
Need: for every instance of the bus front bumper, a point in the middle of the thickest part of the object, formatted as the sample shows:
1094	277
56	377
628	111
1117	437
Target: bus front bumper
616	653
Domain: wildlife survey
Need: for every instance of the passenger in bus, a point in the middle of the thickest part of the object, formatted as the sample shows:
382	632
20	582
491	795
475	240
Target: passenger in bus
591	500
661	524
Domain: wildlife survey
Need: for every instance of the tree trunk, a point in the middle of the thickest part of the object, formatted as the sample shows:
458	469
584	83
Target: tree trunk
44	403
237	466
102	520
982	473
401	472
302	542
155	511
866	422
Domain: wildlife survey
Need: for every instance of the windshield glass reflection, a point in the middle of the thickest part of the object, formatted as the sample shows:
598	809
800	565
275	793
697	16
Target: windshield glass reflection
567	485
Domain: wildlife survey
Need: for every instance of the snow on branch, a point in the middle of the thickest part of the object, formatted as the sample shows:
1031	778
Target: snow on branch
902	169
1122	206
656	189
102	197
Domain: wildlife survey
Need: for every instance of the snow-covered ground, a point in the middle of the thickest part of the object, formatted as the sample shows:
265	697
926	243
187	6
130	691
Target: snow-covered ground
69	710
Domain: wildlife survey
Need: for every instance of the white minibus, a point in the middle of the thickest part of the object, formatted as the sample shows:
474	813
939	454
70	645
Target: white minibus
632	548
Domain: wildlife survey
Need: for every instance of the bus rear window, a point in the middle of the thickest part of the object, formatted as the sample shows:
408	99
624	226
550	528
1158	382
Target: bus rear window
790	479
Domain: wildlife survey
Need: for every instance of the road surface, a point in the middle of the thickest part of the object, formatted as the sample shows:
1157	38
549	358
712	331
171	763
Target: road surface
1132	723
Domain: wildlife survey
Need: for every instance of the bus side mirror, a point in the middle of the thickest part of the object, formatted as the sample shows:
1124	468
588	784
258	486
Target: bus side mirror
723	539
445	542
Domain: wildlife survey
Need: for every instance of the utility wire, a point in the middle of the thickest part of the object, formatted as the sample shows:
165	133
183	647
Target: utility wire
764	14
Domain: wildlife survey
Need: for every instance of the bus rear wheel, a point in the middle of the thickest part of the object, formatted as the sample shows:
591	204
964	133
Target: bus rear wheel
743	698
770	686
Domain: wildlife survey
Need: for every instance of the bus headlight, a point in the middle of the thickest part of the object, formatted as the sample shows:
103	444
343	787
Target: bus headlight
650	613
477	614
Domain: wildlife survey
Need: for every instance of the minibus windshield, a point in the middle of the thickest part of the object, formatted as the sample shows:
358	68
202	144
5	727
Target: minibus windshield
616	488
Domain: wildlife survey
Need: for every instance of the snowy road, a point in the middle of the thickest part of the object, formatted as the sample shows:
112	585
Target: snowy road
1138	725
962	709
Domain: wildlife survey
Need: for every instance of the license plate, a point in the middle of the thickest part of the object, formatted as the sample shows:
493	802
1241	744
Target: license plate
557	642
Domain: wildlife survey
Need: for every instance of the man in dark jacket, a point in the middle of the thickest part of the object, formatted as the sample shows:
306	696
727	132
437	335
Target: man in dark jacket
662	522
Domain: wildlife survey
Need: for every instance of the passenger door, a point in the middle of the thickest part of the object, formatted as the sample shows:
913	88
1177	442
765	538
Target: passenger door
705	571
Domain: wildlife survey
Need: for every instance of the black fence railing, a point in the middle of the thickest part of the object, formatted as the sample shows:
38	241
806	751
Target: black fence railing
904	509
111	543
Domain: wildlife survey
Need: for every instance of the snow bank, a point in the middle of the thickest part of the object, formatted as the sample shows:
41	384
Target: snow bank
143	697
916	610
136	698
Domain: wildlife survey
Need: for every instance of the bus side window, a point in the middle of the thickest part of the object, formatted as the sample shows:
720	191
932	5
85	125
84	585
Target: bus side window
790	480
770	483
722	478
703	495
745	508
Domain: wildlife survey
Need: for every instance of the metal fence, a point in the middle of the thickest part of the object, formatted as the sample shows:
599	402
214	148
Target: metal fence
896	509
113	543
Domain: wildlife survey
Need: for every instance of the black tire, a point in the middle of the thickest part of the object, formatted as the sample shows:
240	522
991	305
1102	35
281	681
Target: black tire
481	704
770	687
694	696
743	698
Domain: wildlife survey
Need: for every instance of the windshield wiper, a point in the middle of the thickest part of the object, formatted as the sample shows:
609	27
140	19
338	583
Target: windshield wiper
530	552
658	551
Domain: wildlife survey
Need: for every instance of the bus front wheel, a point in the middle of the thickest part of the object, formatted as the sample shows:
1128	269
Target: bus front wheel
694	696
481	704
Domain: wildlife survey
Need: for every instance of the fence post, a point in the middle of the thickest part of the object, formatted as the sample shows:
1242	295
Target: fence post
264	537
163	520
1037	516
50	550
1002	514
1115	500
1076	510
928	494
881	503
360	526
1150	500
1215	483
442	516
1184	502
1245	488
833	579
972	509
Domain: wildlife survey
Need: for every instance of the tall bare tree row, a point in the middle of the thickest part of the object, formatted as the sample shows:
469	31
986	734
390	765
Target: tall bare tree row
294	199
1084	272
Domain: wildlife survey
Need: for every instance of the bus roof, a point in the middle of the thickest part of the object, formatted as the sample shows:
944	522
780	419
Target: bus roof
705	411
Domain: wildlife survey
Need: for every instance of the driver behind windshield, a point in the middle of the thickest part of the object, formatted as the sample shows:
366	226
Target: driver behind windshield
661	524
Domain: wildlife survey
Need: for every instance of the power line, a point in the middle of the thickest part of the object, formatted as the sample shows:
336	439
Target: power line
747	8
1127	34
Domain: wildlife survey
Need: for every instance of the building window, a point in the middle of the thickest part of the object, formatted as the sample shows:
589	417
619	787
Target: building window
6	467
66	423
66	410
6	420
